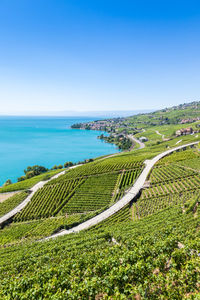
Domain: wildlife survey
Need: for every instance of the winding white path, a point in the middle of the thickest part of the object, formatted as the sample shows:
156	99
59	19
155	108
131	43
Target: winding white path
33	190
124	200
178	142
162	135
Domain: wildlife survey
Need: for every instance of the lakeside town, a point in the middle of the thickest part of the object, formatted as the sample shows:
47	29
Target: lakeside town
120	129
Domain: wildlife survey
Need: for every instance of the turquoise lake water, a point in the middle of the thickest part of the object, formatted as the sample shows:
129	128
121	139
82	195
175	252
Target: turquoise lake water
45	141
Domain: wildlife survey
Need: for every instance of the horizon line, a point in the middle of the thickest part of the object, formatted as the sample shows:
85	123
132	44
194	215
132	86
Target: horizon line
75	113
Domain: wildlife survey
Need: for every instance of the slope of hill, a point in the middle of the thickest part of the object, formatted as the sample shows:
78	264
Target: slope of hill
149	249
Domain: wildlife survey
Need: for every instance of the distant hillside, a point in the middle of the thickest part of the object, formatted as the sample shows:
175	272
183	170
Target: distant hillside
187	113
172	115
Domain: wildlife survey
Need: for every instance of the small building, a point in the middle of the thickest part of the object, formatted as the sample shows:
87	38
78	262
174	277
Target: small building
178	132
143	139
184	131
190	120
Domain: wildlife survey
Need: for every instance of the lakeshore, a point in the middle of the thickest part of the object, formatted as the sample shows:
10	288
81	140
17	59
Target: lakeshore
45	141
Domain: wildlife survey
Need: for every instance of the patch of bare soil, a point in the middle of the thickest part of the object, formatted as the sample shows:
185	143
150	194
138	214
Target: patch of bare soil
5	196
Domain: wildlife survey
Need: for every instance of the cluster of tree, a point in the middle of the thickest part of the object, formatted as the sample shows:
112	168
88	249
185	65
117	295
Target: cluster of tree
66	165
124	143
121	141
56	167
76	126
83	161
8	182
32	171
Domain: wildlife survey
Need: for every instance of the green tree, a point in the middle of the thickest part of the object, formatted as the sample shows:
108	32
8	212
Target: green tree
21	178
37	170
8	182
30	174
68	164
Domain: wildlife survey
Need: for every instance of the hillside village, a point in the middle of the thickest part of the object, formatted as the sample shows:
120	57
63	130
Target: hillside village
120	128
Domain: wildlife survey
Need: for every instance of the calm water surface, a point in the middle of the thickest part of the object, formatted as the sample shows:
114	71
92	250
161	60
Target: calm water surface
46	141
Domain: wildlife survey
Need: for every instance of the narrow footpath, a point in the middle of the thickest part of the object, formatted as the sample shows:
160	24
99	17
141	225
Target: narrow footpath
162	135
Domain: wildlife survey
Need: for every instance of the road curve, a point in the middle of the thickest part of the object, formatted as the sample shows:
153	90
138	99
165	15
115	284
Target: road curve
124	200
33	190
162	135
133	139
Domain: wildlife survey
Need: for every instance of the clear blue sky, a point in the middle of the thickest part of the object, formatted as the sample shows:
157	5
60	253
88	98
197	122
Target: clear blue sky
98	54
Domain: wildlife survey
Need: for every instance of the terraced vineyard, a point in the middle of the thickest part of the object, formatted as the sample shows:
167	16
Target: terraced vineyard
171	183
178	156
12	202
169	172
37	229
171	187
107	165
193	164
95	193
124	215
49	200
157	255
76	192
148	206
125	180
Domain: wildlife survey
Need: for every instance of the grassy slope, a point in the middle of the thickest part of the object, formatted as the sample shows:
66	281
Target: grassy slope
172	114
147	250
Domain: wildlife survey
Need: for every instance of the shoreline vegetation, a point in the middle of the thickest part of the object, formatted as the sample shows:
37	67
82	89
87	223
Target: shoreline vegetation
40	172
120	139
